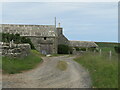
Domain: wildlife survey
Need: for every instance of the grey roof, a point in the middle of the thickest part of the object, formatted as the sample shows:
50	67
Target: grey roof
83	44
30	30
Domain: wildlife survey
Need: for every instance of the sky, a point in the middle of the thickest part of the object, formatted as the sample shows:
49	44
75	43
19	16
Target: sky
85	21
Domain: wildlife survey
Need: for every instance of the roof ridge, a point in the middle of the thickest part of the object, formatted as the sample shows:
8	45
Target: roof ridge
81	41
28	24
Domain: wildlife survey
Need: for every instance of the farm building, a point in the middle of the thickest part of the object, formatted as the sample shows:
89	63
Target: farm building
83	44
45	38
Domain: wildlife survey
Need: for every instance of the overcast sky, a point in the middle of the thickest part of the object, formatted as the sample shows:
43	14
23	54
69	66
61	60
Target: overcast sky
86	21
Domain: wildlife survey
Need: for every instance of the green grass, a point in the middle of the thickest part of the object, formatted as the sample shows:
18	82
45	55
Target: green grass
37	53
17	65
107	44
103	71
62	65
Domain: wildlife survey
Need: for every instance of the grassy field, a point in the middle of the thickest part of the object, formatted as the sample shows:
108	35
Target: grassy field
103	69
17	65
106	44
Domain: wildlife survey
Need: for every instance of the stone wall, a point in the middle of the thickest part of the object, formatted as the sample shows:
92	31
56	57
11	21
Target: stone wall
45	45
44	37
61	38
15	50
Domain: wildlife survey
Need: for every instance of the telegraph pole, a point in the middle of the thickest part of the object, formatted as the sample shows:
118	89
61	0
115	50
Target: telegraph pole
55	22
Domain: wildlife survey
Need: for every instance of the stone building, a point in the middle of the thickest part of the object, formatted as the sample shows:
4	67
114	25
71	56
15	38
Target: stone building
45	38
83	44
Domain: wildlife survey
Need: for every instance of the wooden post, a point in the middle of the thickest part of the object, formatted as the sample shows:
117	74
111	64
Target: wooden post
110	54
100	51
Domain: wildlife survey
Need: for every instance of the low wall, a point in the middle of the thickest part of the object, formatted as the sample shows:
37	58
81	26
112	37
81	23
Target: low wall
15	50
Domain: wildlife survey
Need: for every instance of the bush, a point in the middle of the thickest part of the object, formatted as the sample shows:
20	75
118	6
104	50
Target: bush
27	40
77	48
64	49
6	37
117	49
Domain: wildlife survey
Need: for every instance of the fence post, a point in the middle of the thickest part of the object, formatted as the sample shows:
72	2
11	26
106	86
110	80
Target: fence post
110	54
100	51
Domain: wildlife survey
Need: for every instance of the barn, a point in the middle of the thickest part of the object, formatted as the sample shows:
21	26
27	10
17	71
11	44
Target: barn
45	38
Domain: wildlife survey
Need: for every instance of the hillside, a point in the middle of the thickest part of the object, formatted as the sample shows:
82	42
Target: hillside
107	44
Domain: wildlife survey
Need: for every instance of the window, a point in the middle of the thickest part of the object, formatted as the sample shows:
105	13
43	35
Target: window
44	38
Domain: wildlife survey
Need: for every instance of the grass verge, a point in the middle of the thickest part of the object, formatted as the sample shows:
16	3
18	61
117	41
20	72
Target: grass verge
17	65
103	72
62	65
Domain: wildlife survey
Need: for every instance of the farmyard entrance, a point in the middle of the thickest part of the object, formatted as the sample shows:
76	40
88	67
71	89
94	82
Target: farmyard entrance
46	48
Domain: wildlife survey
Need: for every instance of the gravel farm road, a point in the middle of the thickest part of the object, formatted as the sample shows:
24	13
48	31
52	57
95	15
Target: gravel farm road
47	75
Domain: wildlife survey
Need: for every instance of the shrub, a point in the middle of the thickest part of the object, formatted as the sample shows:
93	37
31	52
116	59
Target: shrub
27	40
77	48
6	37
117	49
64	49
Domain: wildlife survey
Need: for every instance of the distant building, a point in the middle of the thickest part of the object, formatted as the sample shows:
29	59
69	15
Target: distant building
45	38
83	44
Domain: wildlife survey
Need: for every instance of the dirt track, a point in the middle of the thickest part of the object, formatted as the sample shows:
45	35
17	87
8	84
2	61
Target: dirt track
47	75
